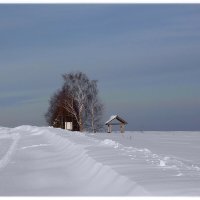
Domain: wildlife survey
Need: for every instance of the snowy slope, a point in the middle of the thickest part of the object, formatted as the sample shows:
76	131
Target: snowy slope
39	161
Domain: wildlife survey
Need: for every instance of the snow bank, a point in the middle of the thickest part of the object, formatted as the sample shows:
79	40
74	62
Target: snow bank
100	179
54	162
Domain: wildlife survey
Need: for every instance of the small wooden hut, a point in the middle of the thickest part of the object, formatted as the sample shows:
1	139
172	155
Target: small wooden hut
116	120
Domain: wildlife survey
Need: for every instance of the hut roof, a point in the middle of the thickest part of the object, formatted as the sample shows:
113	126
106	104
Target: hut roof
115	117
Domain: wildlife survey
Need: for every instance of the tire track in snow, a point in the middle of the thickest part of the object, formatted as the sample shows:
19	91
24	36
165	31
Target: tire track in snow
6	158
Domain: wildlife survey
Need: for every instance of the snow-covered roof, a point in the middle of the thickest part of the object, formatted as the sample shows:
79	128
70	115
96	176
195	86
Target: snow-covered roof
112	117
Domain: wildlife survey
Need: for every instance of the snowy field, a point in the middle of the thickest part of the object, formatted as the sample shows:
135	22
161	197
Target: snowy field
43	161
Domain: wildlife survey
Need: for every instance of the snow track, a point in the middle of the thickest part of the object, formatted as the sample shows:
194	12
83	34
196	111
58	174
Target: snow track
182	167
11	149
53	162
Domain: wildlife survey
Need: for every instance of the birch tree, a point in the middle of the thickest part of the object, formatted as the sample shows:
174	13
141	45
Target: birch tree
77	85
78	97
94	109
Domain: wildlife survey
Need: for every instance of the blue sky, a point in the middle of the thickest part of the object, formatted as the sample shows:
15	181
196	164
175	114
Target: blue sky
145	57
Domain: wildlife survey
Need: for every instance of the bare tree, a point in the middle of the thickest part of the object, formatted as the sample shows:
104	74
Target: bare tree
94	109
69	103
77	85
79	98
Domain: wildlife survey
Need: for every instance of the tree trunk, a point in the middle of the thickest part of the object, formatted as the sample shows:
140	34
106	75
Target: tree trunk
80	122
93	128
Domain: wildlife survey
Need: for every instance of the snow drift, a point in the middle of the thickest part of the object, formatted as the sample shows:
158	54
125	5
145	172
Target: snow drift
45	161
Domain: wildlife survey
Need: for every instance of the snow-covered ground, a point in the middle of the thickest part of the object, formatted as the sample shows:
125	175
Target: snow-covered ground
43	161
